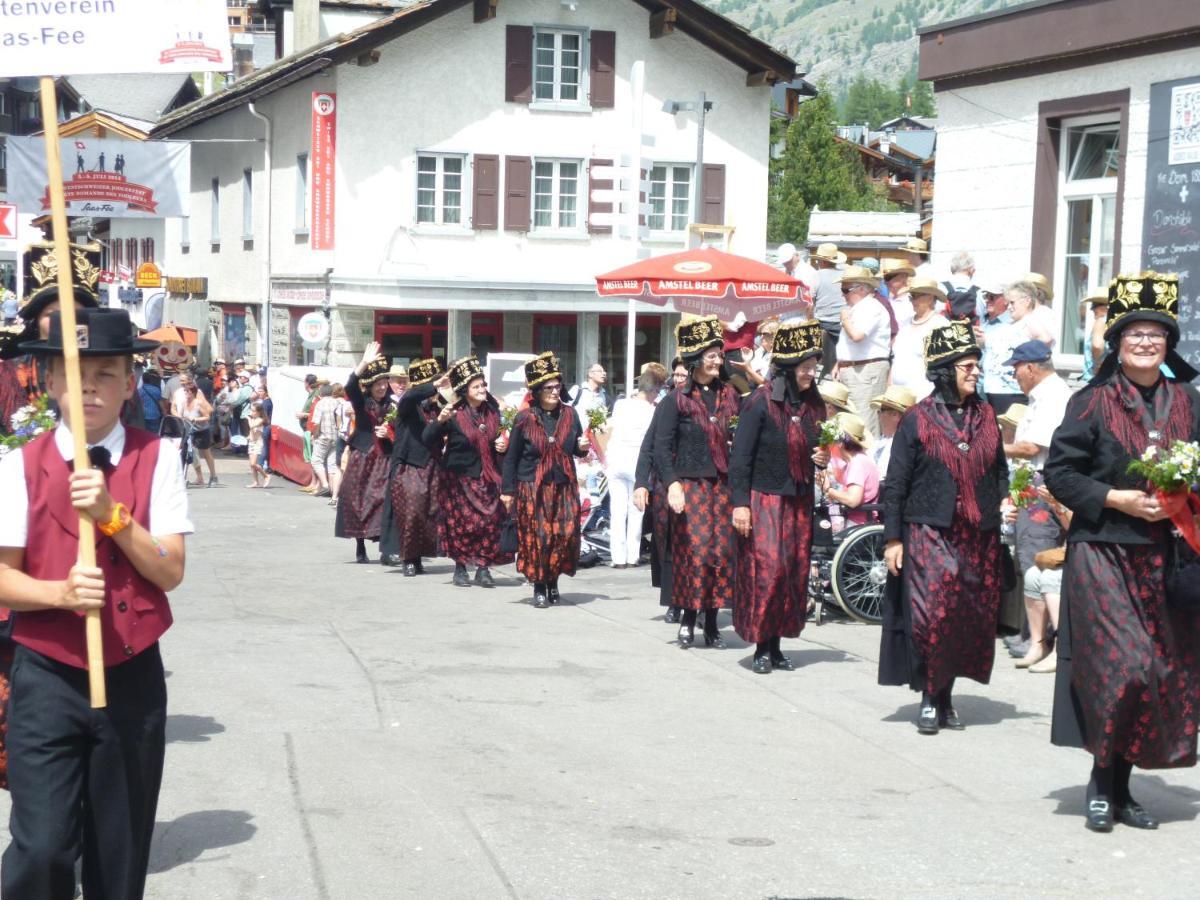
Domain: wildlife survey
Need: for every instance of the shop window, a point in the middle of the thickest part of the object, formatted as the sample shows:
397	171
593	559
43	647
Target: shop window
560	335
487	334
647	347
233	344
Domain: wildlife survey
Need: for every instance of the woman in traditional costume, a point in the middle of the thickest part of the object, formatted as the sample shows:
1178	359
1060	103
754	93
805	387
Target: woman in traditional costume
411	512
539	477
691	454
771	480
945	482
365	482
1127	686
469	484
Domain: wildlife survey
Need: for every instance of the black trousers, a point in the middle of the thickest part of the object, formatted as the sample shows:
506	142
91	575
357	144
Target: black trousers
829	339
83	781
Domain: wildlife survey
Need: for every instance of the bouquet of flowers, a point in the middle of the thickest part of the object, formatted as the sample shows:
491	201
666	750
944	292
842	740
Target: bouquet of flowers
597	420
733	423
1173	472
1021	489
831	432
508	418
390	417
27	423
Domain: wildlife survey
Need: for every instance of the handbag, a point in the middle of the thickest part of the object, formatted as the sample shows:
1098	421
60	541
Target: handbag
1182	578
508	536
1051	559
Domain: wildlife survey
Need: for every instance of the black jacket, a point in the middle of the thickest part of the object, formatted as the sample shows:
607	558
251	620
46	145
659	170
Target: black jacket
1086	461
759	459
521	460
918	488
645	472
363	439
680	444
409	426
460	456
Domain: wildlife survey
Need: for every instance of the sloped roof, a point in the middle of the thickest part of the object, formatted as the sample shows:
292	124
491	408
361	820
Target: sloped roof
858	230
918	144
147	96
722	35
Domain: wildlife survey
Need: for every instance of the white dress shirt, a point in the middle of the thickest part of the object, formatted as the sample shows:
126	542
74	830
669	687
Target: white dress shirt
168	494
869	317
1047	408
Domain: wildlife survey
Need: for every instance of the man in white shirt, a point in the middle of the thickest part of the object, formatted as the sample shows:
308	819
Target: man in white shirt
896	275
591	394
1048	394
865	344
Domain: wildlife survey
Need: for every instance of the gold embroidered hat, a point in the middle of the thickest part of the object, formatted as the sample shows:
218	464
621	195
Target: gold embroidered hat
423	371
950	343
697	335
376	369
541	369
463	372
795	343
41	277
1148	297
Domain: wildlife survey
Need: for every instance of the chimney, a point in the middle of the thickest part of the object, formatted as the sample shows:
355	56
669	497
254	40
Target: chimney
306	24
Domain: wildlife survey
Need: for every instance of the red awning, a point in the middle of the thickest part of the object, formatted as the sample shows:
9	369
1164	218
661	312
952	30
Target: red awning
708	282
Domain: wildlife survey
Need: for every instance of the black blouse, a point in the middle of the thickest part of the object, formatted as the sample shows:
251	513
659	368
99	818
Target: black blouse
521	460
409	427
363	439
459	456
680	443
759	460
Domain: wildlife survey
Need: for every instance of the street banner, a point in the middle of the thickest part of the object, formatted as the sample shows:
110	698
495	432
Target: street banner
115	179
324	148
8	227
97	37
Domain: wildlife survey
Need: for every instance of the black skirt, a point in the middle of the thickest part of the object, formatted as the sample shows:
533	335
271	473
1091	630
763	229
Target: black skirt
360	497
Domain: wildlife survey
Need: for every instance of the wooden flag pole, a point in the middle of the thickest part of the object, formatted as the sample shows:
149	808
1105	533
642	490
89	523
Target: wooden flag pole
66	294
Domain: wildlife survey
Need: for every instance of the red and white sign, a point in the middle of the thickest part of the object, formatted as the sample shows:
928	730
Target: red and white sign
324	149
124	273
107	276
8	222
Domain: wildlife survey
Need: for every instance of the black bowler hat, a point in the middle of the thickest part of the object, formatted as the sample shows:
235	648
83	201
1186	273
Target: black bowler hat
948	344
99	332
1147	297
795	343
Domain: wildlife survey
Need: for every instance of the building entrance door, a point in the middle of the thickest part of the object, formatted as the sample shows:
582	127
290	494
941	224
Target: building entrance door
404	337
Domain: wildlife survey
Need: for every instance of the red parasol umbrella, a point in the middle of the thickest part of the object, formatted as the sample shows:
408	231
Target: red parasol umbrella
708	282
173	334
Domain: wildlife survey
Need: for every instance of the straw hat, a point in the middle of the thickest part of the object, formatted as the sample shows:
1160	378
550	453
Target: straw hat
397	372
896	398
835	394
927	286
1040	281
891	265
826	252
915	245
855	428
1014	415
1098	295
842	258
858	275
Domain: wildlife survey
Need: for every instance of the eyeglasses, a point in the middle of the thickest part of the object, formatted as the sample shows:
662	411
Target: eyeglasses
552	387
968	367
1145	337
807	369
713	356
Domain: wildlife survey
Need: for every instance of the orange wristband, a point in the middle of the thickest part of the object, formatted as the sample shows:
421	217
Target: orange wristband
119	522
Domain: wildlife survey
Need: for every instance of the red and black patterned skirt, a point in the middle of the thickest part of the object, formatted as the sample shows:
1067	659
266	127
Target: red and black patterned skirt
772	568
939	619
360	498
702	549
414	505
660	541
1128	677
7	649
471	515
547	530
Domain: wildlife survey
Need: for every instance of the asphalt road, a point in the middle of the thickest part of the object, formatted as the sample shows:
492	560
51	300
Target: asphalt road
339	731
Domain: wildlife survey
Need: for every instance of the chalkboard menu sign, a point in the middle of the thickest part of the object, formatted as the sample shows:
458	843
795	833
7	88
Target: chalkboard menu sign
1171	228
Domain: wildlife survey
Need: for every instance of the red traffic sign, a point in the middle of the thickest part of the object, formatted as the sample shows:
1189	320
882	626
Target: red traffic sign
8	222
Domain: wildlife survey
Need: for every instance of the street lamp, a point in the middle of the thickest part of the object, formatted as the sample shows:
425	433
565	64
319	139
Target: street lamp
701	107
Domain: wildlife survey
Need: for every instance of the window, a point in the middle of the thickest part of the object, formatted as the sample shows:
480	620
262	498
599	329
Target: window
556	187
1089	166
670	198
148	250
185	232
3	104
214	224
558	333
558	67
131	253
234	344
247	204
116	257
647	346
302	192
440	189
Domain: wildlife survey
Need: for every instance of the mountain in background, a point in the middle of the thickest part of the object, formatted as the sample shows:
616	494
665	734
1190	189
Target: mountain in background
836	41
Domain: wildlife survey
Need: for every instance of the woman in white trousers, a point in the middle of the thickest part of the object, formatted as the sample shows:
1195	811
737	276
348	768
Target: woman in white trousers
627	427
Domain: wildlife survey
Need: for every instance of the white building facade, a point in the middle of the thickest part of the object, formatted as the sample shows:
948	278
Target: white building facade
1043	145
467	135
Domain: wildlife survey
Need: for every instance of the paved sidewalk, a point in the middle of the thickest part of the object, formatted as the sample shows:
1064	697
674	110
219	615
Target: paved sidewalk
339	731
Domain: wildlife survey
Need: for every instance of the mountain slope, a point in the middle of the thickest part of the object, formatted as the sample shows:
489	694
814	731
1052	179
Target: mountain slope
836	40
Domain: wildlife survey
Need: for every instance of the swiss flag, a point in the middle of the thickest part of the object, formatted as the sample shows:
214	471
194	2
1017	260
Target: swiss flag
8	222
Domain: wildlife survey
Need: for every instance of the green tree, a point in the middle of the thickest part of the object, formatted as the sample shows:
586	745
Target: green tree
815	169
871	102
922	100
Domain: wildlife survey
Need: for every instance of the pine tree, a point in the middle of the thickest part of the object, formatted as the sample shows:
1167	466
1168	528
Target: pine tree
815	170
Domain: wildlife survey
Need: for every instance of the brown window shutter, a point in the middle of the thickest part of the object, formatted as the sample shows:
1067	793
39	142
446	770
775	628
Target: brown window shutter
603	69
485	212
598	184
518	185
642	198
712	195
518	63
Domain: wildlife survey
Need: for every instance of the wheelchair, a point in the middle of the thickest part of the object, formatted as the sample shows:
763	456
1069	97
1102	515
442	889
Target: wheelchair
849	566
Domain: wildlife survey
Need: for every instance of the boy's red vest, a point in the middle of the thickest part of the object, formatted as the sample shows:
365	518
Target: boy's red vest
135	612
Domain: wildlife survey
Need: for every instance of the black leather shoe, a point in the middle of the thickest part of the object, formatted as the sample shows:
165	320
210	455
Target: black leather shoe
361	557
782	662
1132	814
1099	815
948	718
409	570
927	722
552	592
461	578
714	640
540	599
392	560
420	568
687	636
484	578
762	665
673	614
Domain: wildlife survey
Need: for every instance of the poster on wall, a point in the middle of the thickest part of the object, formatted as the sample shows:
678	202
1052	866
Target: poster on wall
324	147
1171	227
112	179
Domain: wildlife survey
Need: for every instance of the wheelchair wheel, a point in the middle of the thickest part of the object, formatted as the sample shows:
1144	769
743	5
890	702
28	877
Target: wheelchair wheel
859	573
